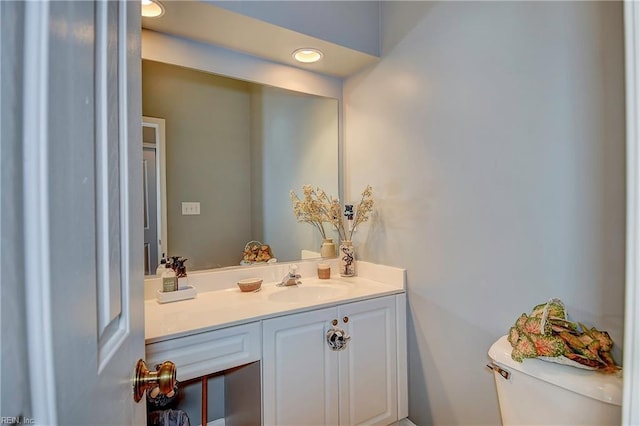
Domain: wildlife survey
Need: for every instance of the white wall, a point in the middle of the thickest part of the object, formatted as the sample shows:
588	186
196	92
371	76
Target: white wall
493	136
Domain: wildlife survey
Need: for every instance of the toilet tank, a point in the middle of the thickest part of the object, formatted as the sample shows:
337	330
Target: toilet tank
544	393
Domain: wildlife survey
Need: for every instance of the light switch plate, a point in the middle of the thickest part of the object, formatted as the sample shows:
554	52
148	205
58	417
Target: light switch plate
190	208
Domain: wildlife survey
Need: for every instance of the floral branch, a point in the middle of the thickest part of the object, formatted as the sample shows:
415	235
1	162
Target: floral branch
363	209
310	209
317	208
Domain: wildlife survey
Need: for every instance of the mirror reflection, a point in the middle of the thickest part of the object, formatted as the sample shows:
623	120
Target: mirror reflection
234	150
154	191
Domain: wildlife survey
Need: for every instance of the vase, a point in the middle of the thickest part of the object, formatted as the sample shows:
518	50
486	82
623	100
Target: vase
328	248
347	259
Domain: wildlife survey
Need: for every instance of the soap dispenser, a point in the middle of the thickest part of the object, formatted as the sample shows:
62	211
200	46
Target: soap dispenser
169	279
161	267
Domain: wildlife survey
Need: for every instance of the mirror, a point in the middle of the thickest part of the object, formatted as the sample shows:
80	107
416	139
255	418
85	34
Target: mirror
235	149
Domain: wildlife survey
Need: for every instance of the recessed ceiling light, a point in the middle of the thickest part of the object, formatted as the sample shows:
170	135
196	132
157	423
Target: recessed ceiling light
307	55
152	8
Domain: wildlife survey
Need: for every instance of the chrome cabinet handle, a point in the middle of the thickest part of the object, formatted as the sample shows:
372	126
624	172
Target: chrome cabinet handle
337	338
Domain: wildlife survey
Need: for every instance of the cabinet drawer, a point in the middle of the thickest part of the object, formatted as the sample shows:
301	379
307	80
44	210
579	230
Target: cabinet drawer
210	352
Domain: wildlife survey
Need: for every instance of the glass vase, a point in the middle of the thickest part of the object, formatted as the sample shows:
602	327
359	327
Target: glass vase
328	249
347	259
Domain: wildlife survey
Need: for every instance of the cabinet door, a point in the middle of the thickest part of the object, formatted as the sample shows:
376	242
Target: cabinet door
300	379
368	366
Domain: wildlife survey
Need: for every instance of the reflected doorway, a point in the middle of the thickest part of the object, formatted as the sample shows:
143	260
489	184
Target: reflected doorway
154	192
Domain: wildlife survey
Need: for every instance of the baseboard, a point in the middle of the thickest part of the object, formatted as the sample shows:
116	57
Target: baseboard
403	422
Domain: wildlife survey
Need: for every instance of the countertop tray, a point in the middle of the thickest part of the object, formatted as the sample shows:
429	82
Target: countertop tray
189	292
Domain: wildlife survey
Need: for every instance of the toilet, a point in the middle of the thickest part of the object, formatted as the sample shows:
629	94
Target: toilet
536	392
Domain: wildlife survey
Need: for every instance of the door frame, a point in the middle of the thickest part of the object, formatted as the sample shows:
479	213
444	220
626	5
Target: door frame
161	181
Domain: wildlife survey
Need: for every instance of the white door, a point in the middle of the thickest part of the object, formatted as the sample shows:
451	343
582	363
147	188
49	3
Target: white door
368	366
299	371
83	210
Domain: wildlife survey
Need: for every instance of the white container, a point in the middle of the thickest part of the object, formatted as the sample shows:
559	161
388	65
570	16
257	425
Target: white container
544	393
175	296
183	282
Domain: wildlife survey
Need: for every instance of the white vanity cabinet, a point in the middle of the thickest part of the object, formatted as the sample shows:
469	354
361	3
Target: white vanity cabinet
306	382
263	358
218	373
368	367
205	353
299	372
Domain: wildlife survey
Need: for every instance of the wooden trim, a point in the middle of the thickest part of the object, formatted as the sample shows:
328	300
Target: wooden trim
631	391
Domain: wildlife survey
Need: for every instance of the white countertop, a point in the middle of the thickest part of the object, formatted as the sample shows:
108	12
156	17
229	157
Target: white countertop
220	303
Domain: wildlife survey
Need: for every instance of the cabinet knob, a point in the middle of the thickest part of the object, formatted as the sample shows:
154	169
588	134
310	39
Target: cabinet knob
334	322
337	338
164	378
345	319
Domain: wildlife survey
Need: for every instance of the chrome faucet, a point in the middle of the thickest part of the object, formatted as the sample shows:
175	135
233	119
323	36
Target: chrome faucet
292	277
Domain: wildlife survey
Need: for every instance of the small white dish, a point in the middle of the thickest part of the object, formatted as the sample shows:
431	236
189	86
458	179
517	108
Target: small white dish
250	284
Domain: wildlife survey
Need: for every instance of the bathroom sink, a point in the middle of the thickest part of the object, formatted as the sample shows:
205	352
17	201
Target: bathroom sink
308	293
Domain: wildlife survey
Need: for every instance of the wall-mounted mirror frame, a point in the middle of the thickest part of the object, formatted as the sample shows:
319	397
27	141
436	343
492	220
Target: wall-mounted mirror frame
216	60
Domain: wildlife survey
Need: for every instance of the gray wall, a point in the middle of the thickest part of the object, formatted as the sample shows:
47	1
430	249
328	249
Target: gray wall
208	143
493	136
294	143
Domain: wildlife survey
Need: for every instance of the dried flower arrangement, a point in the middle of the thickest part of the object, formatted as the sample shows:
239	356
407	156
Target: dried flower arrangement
256	252
317	207
312	209
355	215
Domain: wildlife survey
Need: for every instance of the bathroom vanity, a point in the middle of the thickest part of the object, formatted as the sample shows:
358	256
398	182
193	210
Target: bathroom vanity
266	357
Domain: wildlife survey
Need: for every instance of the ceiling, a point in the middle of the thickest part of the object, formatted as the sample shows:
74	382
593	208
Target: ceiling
213	25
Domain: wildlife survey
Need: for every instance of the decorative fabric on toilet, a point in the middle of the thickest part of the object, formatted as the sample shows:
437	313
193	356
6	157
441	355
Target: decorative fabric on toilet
548	334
